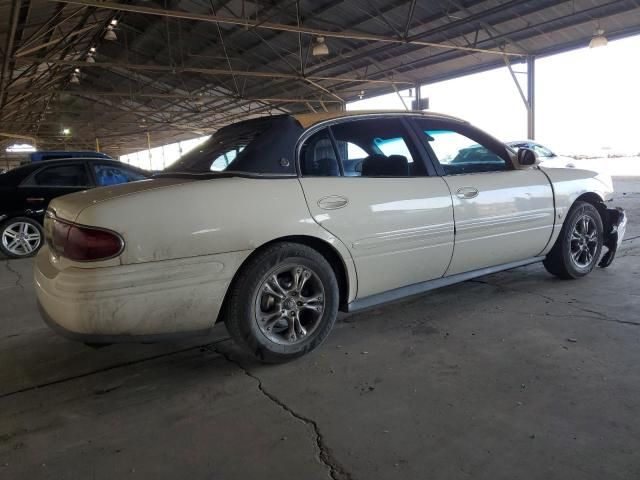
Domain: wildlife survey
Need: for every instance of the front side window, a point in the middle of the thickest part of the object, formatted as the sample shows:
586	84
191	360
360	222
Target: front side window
376	148
72	175
113	175
459	154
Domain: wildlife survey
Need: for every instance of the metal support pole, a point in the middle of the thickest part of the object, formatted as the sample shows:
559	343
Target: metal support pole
149	146
97	145
531	96
418	97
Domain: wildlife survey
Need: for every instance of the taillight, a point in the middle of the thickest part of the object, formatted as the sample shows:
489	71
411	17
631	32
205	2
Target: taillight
81	243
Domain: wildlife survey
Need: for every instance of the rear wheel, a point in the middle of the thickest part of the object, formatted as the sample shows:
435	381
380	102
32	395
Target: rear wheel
579	244
20	237
283	303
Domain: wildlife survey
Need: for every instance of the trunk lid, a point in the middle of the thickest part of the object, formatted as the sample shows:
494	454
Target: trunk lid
68	207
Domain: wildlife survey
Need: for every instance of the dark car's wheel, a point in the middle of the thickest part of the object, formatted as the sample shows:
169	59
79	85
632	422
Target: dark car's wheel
20	237
283	303
578	247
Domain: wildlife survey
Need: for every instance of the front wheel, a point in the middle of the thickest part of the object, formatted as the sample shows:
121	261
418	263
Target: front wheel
579	244
20	237
283	303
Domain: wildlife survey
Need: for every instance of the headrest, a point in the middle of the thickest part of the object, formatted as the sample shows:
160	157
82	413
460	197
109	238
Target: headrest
381	166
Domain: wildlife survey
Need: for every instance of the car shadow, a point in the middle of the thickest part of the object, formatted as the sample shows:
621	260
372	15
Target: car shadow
37	358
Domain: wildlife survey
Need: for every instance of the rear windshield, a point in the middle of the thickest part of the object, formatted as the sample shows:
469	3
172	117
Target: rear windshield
263	145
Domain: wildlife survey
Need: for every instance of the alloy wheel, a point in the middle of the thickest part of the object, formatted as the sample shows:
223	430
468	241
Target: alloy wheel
21	238
289	304
584	241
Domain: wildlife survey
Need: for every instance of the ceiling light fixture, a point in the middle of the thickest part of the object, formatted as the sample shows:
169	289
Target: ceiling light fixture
320	48
114	22
92	49
598	39
110	34
66	131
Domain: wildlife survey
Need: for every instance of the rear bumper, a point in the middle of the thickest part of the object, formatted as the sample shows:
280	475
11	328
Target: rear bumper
613	237
142	302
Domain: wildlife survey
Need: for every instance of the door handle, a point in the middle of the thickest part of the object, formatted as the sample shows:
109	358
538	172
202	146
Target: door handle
332	202
34	199
467	192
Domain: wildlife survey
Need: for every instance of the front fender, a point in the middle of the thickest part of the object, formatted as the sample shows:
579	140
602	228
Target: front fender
571	183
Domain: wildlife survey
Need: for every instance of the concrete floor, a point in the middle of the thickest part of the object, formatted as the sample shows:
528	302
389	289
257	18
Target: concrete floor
516	375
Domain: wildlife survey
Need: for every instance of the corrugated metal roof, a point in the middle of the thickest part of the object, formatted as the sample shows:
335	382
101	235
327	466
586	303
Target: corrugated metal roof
170	72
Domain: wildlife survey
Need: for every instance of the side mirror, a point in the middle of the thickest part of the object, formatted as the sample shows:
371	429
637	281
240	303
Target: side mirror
527	157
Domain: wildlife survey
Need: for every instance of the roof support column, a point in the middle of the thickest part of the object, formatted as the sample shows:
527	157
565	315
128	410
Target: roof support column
531	96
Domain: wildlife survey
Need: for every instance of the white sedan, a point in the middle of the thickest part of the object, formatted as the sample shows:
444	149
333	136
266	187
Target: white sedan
276	223
546	156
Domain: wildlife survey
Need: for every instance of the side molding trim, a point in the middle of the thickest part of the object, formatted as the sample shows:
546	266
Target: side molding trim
418	288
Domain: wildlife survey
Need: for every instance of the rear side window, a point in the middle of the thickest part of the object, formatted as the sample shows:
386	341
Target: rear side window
352	157
318	157
378	147
113	175
73	175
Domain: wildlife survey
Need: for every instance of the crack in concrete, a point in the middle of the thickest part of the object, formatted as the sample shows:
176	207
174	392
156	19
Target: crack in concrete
558	315
336	471
16	273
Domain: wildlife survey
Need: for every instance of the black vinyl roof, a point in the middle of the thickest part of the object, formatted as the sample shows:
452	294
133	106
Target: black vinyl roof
183	68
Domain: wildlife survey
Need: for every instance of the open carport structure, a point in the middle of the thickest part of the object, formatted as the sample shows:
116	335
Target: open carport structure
112	72
513	375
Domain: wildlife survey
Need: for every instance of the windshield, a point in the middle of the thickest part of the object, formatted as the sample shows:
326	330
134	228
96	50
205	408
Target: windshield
263	145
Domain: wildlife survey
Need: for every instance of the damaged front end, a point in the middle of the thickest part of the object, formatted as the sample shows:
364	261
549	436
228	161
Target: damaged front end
615	228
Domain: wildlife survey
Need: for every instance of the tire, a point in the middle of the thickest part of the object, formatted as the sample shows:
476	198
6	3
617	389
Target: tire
265	317
26	232
575	253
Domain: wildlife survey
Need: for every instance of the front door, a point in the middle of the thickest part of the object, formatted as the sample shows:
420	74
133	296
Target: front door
366	184
502	214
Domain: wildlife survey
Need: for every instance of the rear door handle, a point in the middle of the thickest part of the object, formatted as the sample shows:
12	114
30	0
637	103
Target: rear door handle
332	202
467	192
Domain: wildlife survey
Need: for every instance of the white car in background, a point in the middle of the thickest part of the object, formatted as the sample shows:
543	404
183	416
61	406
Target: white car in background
546	156
315	213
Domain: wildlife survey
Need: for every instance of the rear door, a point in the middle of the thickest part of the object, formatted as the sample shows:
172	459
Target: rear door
52	181
502	214
367	184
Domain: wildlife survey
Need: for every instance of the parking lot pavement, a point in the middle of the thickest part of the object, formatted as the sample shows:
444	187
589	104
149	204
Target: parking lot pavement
513	375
